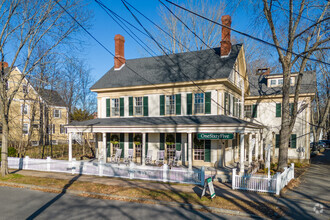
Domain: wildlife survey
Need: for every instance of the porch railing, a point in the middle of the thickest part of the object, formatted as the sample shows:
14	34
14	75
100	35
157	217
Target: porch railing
164	173
261	183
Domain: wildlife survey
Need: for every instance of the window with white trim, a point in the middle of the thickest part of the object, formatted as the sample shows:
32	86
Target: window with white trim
25	128
248	111
62	129
199	103
57	113
170	104
115	107
138	105
24	109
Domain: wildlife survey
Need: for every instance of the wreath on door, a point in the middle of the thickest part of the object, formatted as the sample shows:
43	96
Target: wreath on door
114	139
138	139
170	140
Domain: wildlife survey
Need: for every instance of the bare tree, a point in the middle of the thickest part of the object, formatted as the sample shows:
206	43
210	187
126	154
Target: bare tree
25	25
322	99
210	33
303	39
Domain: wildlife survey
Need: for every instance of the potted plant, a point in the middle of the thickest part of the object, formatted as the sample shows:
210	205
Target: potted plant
138	139
170	140
114	139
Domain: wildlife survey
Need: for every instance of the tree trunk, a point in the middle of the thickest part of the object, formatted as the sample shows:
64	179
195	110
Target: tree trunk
285	132
4	149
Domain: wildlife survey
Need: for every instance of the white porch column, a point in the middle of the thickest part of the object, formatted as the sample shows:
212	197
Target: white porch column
261	148
257	147
250	148
241	153
190	152
104	156
70	146
143	149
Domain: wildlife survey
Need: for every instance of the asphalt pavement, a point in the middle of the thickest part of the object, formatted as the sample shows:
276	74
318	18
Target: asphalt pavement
311	199
17	203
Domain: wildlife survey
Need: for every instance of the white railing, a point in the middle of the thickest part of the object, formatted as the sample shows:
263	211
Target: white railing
261	183
164	173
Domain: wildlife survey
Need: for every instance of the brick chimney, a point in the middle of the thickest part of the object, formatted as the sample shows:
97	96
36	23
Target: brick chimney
3	64
225	35
119	51
263	71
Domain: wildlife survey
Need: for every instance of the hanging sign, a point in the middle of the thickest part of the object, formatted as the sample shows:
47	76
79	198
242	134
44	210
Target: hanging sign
208	184
215	136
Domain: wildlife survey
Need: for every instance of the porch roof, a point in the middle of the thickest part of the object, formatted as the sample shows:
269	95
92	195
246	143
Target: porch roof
158	122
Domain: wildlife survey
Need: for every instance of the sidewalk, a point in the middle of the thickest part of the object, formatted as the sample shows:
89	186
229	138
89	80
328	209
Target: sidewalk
313	191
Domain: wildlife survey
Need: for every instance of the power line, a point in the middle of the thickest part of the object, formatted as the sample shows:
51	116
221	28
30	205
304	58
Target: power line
248	35
80	25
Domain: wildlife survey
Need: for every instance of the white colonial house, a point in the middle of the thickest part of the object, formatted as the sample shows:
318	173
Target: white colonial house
192	102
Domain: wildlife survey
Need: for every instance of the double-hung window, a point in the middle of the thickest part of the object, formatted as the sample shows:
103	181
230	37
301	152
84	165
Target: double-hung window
24	109
138	105
57	113
170	105
248	111
115	107
199	103
25	128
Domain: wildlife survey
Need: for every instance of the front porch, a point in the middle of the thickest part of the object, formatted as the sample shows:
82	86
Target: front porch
244	146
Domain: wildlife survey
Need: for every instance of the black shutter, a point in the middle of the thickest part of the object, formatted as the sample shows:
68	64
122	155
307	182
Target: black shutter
145	106
277	141
178	104
278	109
161	141
178	141
161	105
130	106
189	104
207	151
208	103
121	145
121	102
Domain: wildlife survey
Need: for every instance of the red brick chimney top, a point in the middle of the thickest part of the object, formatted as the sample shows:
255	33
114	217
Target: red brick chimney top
3	64
263	71
119	51
225	36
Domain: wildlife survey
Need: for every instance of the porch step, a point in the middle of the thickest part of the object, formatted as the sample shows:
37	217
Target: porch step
222	175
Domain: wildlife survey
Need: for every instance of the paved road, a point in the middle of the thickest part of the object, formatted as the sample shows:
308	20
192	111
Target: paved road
16	203
313	191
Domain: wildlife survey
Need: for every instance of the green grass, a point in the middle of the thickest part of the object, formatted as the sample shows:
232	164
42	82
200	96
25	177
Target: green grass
11	176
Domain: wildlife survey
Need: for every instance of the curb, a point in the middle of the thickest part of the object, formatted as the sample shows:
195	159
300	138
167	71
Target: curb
116	197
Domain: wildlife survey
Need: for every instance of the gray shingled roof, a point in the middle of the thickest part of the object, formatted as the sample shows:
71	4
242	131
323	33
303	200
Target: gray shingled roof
51	97
154	121
259	87
198	65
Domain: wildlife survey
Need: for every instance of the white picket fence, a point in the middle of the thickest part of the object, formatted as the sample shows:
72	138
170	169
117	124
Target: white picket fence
132	171
261	183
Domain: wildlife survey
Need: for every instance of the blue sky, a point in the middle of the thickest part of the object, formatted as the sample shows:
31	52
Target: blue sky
104	29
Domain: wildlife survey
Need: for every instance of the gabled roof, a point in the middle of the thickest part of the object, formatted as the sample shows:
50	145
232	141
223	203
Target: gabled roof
197	65
51	97
259	87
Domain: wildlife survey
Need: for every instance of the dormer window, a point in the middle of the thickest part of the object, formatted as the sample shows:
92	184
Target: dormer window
280	81
273	82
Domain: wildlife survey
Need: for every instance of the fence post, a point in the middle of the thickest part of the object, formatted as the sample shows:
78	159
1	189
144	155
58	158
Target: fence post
26	164
233	180
165	169
48	163
131	170
73	168
100	168
203	176
292	167
278	183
